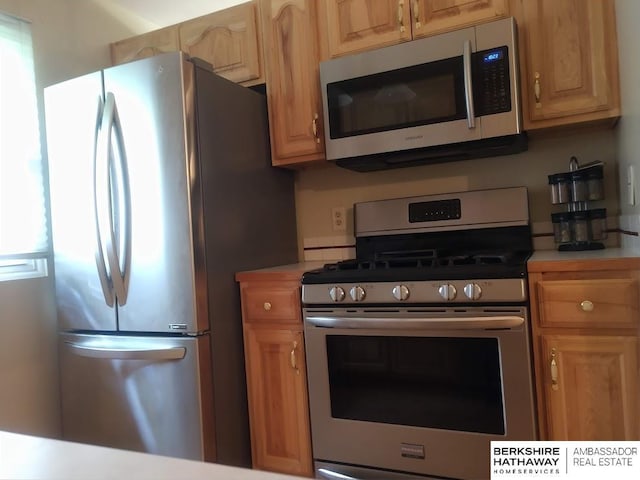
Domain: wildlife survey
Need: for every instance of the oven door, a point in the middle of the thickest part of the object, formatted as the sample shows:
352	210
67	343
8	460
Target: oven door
418	391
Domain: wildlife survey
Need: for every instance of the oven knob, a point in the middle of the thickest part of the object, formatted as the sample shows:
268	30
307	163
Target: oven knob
472	291
357	293
448	291
336	294
400	292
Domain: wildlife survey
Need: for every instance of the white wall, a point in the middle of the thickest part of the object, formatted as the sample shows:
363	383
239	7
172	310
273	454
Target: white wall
628	132
70	38
320	189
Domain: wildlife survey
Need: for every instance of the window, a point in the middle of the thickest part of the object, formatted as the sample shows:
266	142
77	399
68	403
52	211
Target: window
23	218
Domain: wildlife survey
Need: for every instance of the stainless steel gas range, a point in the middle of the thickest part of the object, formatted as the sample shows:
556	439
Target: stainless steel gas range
418	351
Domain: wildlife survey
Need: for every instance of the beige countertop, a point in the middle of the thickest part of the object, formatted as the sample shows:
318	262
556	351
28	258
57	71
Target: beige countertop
293	272
35	458
614	258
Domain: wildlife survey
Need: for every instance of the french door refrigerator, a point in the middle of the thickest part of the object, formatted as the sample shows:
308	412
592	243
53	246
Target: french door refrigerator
161	189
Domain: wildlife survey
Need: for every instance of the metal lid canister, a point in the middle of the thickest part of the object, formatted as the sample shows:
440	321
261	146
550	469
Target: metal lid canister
561	227
598	224
559	184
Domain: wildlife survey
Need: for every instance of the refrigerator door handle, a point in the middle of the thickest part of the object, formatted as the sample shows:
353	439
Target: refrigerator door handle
122	191
106	185
103	273
153	354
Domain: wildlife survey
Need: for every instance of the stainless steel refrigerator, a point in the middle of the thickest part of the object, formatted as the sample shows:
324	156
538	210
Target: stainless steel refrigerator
161	189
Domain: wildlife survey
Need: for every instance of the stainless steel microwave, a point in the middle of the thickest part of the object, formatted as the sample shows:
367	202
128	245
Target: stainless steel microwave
452	96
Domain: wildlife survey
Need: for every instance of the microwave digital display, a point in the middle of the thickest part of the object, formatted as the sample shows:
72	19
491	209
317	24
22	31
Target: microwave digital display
492	56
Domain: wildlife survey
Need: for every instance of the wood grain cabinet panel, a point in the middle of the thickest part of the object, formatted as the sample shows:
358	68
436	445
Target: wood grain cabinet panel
438	16
359	25
592	387
604	303
293	81
569	61
229	40
276	375
586	338
278	400
145	45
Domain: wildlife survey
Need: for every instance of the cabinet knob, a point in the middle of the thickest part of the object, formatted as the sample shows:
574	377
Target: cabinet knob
536	89
586	306
267	306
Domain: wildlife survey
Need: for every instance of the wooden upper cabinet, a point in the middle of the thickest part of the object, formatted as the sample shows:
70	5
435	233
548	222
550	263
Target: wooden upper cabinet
229	40
359	25
437	16
293	84
569	61
145	45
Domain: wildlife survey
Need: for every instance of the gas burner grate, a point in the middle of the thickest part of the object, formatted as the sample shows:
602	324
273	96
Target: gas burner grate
430	261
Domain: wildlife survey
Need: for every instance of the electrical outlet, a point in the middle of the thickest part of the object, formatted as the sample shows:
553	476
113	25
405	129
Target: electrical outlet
631	185
339	219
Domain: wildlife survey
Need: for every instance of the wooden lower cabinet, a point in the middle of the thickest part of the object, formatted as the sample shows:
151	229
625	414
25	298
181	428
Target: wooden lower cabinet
586	331
276	372
591	386
278	405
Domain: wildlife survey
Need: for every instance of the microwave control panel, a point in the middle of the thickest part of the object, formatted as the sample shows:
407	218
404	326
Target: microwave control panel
491	85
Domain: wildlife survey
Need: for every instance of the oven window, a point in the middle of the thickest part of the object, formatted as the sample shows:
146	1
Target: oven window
402	98
435	382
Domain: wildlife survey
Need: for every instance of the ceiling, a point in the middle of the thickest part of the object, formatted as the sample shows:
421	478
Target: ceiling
167	12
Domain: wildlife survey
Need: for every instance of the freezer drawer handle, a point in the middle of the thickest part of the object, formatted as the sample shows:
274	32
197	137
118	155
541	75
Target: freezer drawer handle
168	353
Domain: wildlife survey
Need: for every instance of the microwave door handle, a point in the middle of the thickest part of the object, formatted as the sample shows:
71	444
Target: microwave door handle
468	84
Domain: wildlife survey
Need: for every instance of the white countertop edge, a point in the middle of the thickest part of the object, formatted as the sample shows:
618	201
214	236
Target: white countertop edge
35	458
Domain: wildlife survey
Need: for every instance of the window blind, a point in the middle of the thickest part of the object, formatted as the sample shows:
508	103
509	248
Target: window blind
23	217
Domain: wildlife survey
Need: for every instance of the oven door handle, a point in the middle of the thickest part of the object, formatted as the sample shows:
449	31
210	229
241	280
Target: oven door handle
447	323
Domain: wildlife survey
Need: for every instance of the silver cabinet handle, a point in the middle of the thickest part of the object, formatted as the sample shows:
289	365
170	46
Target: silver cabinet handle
468	84
168	353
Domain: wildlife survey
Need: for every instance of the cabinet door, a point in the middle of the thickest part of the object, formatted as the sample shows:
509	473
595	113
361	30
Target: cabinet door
145	45
569	61
590	387
358	25
437	16
229	40
293	84
278	411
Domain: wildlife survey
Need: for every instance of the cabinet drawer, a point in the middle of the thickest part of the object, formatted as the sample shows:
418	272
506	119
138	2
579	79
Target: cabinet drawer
602	303
272	304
